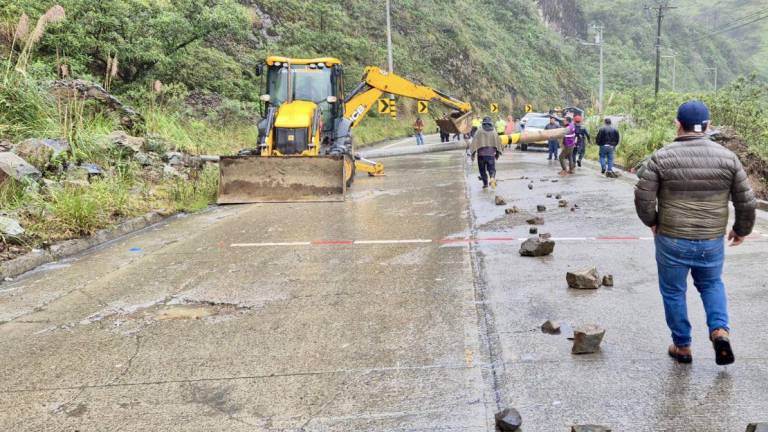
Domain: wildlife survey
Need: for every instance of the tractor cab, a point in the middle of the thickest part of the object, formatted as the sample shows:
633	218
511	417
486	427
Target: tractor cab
303	101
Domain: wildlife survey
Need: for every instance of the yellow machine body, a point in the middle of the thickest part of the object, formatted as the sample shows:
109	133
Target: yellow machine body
305	150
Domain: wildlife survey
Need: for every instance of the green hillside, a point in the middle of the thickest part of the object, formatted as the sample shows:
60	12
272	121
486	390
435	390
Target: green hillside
630	39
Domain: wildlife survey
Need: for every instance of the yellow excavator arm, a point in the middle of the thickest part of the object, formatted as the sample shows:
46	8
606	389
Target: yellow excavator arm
376	82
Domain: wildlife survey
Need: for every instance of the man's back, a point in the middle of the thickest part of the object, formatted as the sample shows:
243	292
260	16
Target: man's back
486	142
693	179
607	135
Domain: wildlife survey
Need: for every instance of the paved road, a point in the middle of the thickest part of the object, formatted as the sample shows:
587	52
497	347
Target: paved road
405	308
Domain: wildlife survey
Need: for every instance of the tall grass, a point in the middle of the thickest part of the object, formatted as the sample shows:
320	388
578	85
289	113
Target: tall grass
200	136
72	210
198	194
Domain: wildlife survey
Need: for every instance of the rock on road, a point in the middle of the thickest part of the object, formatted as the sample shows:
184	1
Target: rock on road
407	307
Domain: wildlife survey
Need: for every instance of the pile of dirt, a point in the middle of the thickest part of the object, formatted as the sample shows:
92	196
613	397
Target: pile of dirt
756	167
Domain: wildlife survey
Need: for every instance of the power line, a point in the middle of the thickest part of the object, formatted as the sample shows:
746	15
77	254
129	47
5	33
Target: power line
748	16
732	28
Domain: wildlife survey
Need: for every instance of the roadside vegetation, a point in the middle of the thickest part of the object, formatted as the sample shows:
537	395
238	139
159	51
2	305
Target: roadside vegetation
739	113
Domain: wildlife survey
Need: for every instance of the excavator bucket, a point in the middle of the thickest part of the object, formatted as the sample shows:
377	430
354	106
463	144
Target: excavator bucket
456	123
254	179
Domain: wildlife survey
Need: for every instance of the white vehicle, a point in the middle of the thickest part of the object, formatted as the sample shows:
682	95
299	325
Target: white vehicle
533	122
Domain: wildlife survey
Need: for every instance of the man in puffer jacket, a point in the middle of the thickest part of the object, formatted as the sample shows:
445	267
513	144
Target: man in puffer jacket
683	196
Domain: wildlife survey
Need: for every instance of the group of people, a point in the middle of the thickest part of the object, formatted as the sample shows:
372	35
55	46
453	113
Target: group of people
574	144
683	196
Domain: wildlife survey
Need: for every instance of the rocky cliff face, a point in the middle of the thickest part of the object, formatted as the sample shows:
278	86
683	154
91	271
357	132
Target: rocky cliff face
563	16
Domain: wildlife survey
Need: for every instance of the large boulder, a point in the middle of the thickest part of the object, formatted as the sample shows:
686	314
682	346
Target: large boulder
537	247
538	220
12	166
550	327
125	143
587	339
508	420
84	172
10	229
40	151
586	278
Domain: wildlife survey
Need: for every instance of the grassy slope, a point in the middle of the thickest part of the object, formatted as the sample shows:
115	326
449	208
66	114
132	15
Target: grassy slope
630	32
497	50
750	41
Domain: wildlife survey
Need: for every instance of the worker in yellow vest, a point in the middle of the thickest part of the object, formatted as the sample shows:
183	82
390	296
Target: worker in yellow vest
476	123
500	126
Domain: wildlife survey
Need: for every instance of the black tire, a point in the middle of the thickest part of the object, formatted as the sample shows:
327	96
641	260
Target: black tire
524	147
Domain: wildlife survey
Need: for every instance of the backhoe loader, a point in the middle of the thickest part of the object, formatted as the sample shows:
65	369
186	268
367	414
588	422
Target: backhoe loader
305	148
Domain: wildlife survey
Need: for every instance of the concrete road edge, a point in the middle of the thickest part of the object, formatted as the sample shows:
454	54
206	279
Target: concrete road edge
36	258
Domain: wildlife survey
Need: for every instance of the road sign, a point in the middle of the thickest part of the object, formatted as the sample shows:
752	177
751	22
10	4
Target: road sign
384	106
422	107
392	108
528	108
494	107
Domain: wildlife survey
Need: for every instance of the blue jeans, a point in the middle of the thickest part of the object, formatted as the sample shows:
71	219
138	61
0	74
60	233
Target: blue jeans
675	258
419	138
553	147
487	167
607	153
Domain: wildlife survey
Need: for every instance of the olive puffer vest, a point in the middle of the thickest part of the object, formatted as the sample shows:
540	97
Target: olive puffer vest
684	190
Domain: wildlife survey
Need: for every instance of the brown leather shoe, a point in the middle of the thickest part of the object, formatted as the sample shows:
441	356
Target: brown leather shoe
680	354
721	342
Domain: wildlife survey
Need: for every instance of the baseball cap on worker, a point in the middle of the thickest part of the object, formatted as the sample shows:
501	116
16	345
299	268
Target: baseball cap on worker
693	116
487	121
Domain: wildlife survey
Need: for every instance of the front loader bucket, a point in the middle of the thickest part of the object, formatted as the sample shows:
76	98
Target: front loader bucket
456	123
254	179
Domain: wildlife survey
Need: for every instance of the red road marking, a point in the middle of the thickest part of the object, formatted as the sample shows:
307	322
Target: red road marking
754	237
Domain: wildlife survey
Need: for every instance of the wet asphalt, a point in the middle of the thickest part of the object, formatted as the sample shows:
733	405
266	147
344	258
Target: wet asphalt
229	320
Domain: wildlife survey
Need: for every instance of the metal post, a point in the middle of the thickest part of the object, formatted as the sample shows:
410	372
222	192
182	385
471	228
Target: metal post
602	77
389	38
658	48
390	61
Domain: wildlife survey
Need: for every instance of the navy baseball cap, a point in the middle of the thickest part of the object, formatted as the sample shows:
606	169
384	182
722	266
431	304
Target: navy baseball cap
693	115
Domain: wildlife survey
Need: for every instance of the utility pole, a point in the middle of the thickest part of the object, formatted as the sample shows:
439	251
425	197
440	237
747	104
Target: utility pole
599	43
389	38
660	9
674	69
390	61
